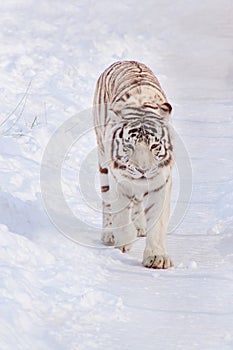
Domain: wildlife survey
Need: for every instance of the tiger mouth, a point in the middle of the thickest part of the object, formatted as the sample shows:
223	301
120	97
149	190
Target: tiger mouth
141	171
143	174
127	170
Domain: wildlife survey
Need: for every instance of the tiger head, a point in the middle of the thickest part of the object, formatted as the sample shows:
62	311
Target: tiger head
142	148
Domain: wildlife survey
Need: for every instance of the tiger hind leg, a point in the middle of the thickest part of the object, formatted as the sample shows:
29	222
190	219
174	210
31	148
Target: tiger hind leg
107	236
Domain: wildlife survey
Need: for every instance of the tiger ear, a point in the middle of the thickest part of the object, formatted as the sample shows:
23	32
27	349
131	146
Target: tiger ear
165	109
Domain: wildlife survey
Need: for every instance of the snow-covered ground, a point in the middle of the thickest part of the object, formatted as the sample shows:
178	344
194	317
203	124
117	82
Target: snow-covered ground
55	293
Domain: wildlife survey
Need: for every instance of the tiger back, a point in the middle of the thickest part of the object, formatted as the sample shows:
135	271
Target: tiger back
123	85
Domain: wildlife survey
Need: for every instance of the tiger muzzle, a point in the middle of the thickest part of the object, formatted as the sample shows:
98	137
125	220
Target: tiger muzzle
142	158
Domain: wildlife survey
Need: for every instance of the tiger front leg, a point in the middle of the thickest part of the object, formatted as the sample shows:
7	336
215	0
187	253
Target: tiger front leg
124	230
138	218
157	216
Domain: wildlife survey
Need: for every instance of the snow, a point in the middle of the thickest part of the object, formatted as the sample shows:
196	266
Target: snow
60	293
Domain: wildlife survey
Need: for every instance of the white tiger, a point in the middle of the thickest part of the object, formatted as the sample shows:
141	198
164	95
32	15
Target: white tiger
131	119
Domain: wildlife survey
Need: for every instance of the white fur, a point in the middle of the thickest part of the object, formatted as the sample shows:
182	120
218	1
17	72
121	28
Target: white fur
135	205
123	228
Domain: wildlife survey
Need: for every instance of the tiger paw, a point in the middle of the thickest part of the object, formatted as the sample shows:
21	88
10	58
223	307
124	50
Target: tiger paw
157	262
124	248
141	232
108	238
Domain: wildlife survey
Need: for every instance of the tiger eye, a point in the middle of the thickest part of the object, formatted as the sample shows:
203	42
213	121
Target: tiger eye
154	146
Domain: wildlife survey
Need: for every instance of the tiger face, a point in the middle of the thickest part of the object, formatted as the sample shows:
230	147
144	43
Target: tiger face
141	148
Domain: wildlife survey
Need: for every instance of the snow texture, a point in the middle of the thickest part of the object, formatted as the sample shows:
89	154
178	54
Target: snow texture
55	293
